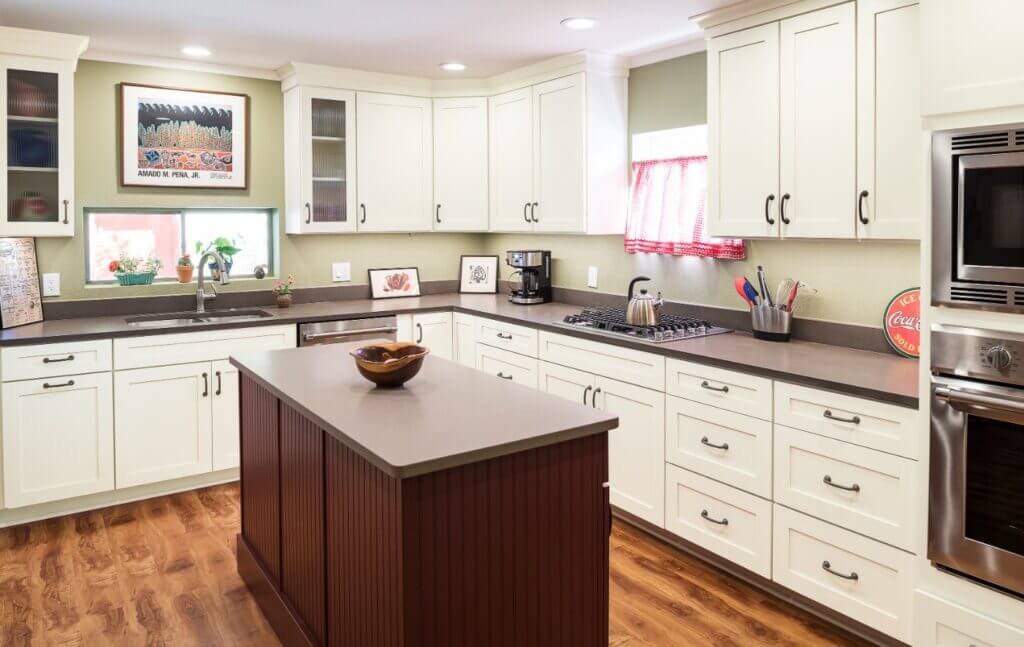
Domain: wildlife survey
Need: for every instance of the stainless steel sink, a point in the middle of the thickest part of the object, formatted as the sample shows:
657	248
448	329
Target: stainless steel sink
178	319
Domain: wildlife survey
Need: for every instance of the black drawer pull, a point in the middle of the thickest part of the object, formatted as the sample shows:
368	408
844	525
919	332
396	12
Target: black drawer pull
217	392
51	360
585	392
828	414
860	207
593	400
849	488
720	389
47	385
502	335
828	569
503	376
782	208
721	522
206	385
767	204
706	442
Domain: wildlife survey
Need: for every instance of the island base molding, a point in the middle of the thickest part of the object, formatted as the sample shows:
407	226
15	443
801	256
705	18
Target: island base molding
508	551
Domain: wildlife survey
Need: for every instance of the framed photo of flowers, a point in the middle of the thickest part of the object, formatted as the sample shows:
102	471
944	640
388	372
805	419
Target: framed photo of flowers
172	137
391	283
478	274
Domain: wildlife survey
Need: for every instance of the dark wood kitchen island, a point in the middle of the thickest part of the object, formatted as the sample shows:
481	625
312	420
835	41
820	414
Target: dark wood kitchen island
461	509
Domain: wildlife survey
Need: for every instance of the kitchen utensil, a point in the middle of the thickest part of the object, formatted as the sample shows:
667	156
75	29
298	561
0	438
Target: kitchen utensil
642	309
748	289
791	297
783	291
390	364
741	283
762	280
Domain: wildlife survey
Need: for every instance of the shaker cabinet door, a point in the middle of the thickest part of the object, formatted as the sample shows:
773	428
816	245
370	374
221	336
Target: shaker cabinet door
560	163
434	330
460	164
511	153
567	383
226	429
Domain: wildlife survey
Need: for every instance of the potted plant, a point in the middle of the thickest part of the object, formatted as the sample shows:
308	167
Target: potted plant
222	246
283	290
132	270
185	268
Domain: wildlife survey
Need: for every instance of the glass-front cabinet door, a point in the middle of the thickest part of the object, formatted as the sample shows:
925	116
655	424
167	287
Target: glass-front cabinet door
38	181
322	192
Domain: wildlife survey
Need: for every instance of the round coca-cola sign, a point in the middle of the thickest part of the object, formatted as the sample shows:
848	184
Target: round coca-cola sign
902	323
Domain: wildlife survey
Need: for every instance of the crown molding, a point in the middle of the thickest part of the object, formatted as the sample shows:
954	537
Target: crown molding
42	44
735	11
676	50
752	13
179	64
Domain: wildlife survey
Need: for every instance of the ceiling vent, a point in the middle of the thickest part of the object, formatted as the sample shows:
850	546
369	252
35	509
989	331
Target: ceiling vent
982	140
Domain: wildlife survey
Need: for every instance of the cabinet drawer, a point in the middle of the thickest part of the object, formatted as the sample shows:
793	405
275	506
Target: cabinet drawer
720	388
624	364
877	425
861	489
50	360
854	575
205	346
518	339
941	623
510	366
726	446
724	520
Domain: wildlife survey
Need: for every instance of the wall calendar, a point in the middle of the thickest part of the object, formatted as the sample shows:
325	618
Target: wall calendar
20	302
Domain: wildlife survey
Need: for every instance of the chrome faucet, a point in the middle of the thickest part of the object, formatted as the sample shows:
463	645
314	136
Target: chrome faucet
201	295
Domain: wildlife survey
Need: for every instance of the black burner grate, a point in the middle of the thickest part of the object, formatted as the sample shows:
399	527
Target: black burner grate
669	328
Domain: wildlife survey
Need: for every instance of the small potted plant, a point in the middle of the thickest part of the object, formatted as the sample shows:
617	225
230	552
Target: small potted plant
133	270
185	268
222	246
283	290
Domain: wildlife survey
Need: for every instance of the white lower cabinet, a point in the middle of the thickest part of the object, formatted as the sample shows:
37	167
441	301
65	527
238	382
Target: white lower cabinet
464	339
941	623
58	438
226	423
164	423
507	365
853	575
565	382
730	523
434	330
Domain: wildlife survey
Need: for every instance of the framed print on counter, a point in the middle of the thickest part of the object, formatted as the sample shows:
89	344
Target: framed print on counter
478	274
393	282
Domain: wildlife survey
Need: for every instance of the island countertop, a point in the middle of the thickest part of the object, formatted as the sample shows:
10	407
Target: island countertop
447	415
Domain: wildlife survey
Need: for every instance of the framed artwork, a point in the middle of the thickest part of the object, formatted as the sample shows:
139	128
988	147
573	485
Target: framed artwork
478	274
390	283
191	139
20	302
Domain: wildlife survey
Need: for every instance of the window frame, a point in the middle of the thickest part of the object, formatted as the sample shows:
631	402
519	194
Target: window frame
272	252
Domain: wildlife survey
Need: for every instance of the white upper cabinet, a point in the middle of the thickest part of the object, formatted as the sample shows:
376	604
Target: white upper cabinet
511	128
743	103
818	122
888	121
320	161
460	164
560	165
394	143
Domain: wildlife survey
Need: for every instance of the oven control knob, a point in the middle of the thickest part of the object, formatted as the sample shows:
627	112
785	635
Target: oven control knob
999	357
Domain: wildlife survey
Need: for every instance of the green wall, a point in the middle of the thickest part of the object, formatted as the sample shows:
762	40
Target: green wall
308	257
669	94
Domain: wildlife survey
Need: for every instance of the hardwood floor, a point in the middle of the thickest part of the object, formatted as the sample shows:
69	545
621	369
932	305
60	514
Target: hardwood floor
162	572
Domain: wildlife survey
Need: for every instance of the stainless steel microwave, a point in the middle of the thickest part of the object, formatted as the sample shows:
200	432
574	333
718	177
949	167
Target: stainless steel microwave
978	218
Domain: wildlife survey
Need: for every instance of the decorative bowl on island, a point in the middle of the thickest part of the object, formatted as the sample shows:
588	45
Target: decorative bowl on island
390	364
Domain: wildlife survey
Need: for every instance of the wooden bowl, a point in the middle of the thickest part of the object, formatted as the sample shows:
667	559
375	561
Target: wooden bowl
390	364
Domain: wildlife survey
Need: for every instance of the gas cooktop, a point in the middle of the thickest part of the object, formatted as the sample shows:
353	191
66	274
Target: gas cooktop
612	322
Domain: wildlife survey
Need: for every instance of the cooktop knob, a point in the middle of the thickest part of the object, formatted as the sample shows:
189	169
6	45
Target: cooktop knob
999	357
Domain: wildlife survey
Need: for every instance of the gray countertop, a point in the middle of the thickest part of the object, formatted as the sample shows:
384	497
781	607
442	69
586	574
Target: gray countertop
875	375
447	415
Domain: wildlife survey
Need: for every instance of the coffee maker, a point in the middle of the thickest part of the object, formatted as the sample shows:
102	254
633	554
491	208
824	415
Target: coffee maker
533	268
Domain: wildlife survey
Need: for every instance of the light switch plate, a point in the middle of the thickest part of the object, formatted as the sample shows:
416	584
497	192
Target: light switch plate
51	284
592	276
341	271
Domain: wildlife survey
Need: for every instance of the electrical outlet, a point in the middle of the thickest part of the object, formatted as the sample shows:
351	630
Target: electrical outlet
341	271
592	276
51	284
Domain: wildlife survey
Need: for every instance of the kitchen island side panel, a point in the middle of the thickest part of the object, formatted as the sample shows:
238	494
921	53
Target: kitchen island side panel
260	475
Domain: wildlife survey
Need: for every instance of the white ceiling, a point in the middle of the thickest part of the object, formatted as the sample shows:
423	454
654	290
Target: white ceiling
398	36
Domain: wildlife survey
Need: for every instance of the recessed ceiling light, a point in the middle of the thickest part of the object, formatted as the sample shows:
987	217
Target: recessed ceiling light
195	50
452	67
578	24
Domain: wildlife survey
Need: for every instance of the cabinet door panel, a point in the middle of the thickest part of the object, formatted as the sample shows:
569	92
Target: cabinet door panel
58	439
888	119
164	420
460	164
464	339
559	126
743	111
566	383
434	330
511	168
225	415
818	123
636	450
395	152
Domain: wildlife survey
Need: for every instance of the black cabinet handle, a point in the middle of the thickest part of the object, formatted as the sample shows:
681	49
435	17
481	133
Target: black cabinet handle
502	335
849	488
503	376
860	207
533	217
363	207
65	212
47	385
437	213
767	202
206	385
782	208
419	332
585	392
721	389
525	207
217	392
828	414
51	360
825	566
593	400
309	213
706	517
704	441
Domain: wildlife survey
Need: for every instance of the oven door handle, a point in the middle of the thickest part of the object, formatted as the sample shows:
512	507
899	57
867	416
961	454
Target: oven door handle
980	403
341	334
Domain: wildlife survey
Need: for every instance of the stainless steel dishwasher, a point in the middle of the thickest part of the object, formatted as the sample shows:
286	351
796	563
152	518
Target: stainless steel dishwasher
336	332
